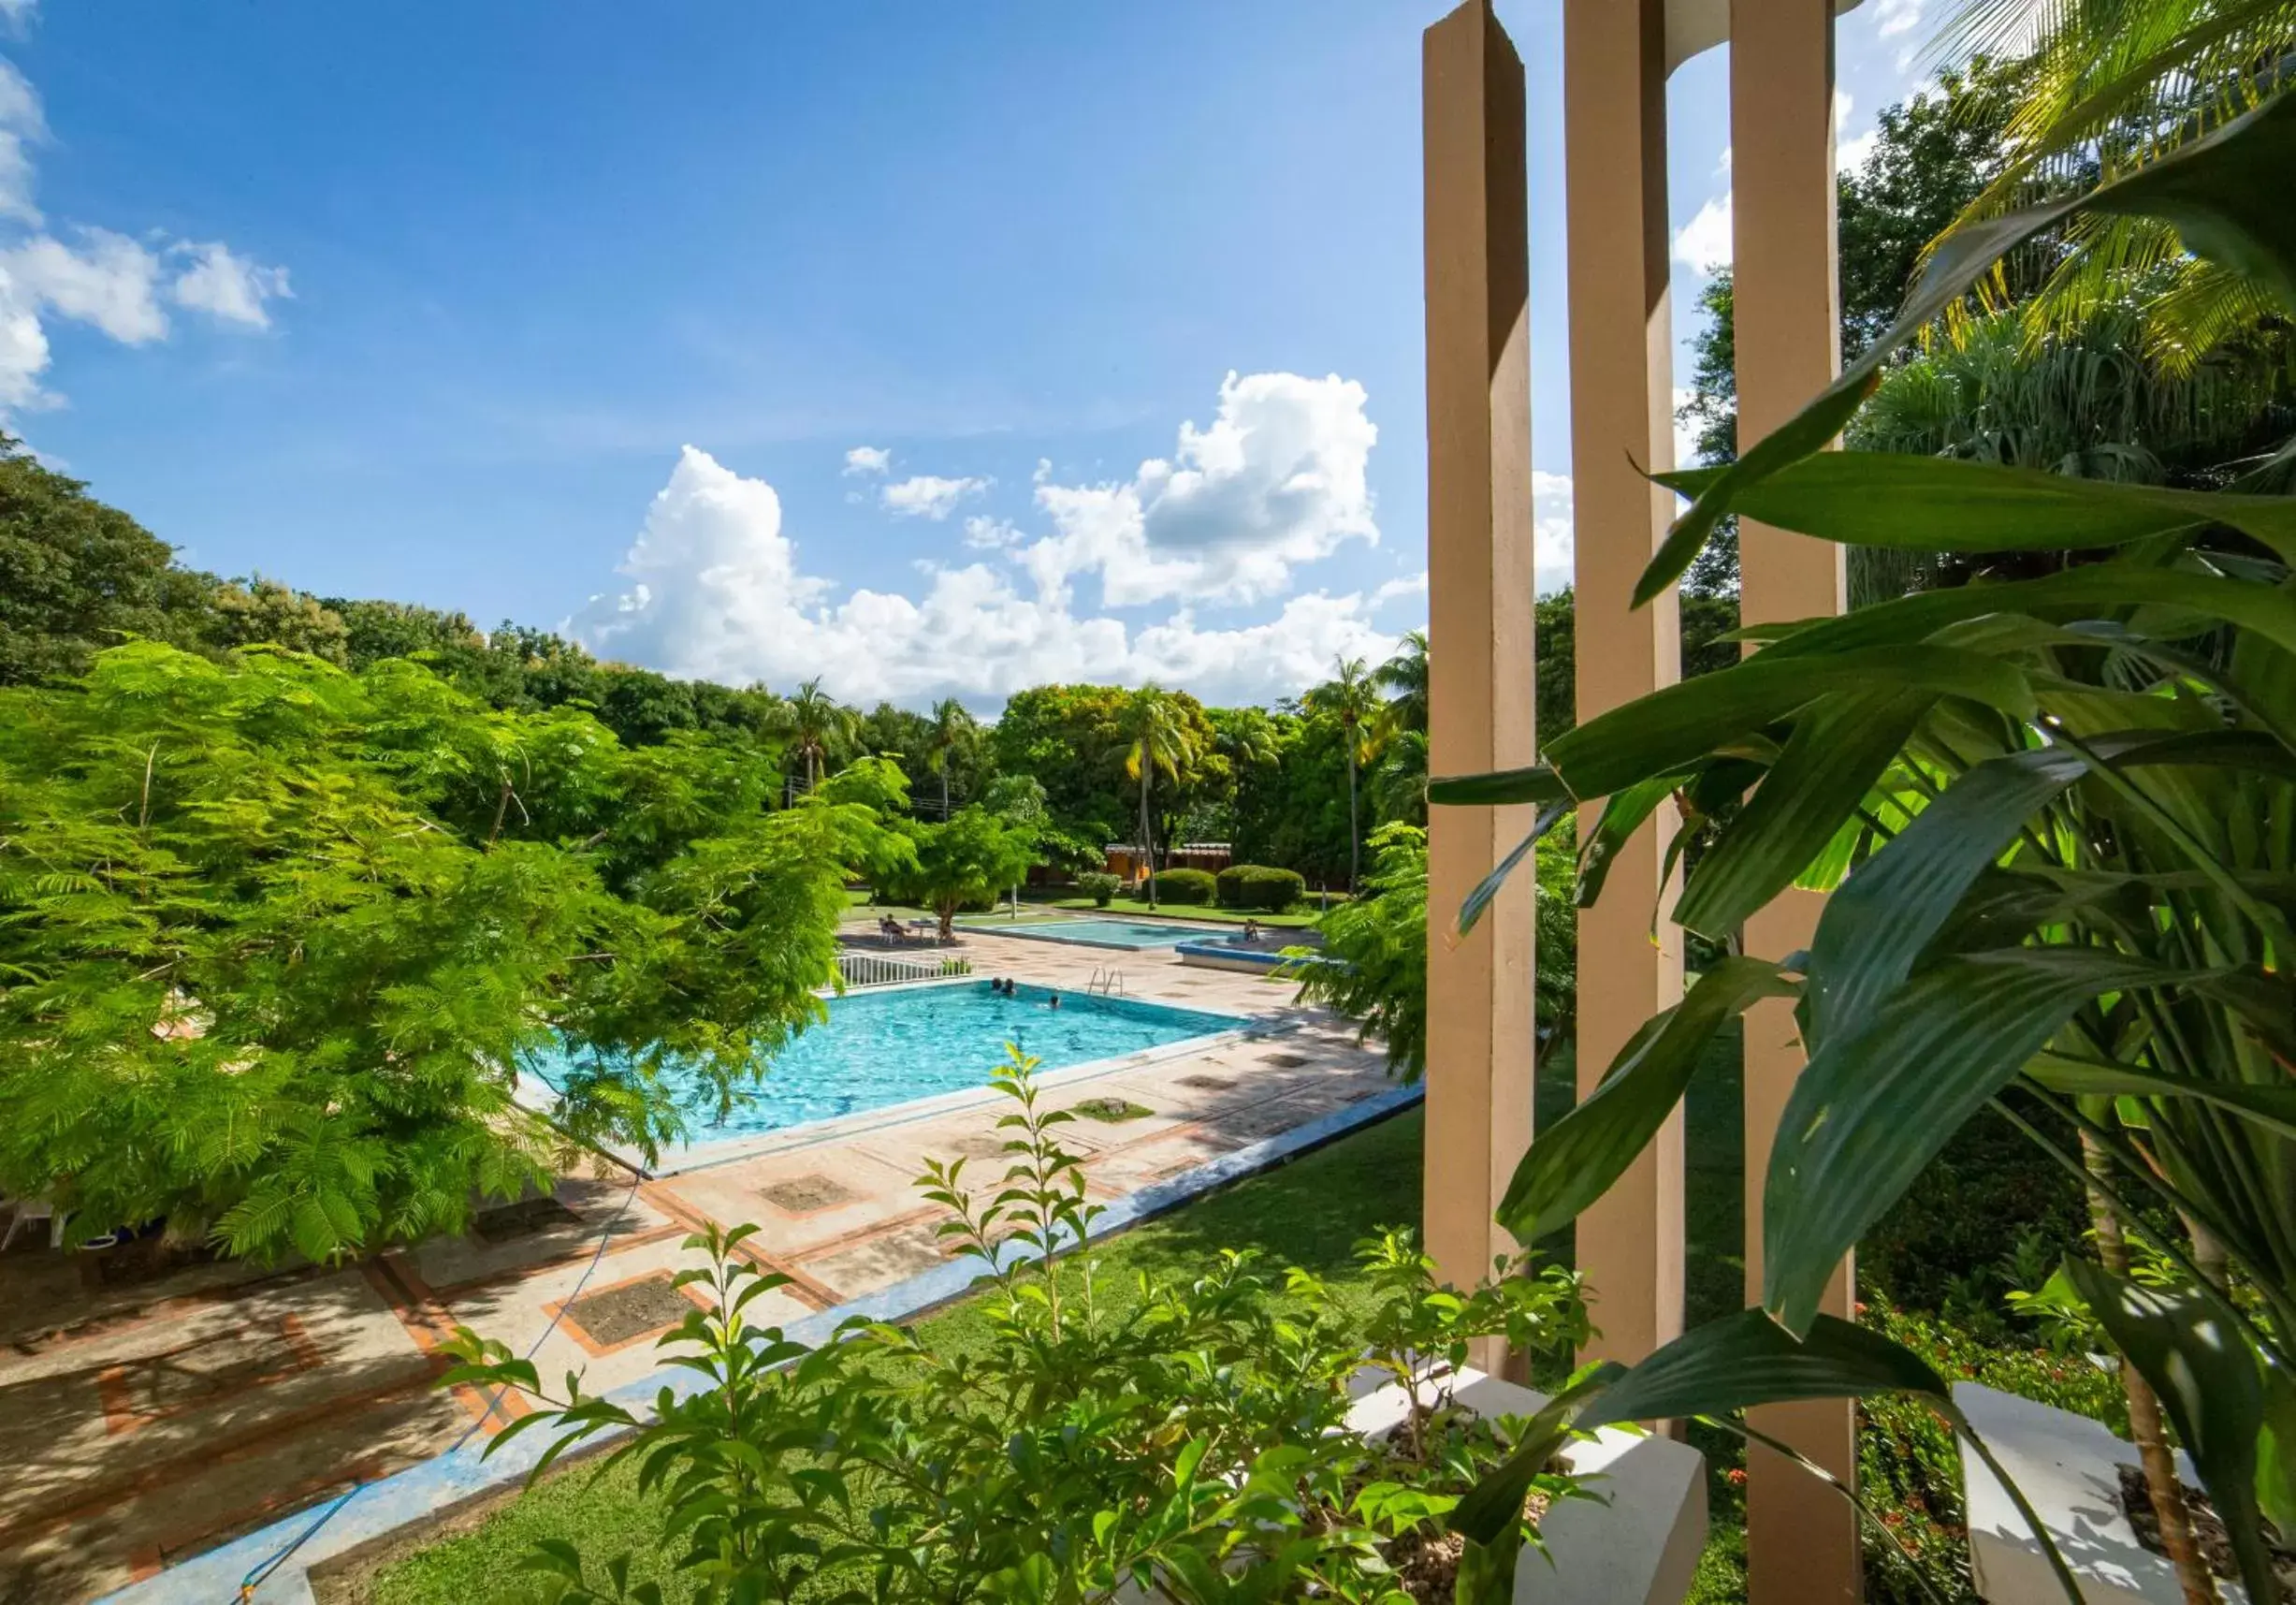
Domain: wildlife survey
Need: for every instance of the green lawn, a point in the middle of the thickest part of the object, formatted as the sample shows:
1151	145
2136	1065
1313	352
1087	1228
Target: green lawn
1937	1249
1299	918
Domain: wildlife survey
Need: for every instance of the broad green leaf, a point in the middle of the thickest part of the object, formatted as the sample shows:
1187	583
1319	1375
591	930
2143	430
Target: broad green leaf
2077	594
1573	1162
1934	503
1489	887
2274	1107
1537	784
1614	823
2197	1360
1885	913
1682	724
2223	193
1874	1107
1839	748
2276	1471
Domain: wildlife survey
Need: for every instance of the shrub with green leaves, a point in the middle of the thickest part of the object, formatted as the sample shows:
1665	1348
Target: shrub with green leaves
1258	887
1186	1450
1100	886
274	938
1184	885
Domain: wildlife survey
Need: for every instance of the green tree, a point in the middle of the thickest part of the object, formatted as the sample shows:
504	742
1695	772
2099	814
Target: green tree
1157	740
952	737
77	576
1351	698
820	726
260	612
963	862
274	939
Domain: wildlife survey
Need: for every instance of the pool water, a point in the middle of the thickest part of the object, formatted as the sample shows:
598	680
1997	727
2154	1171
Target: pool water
1097	933
880	1048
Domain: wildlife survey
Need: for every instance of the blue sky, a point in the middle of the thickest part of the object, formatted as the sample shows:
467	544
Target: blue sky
891	343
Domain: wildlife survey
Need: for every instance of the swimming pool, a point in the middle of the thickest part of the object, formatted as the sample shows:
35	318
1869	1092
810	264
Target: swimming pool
880	1048
1097	933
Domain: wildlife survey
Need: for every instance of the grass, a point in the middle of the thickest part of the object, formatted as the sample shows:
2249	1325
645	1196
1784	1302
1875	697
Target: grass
1298	919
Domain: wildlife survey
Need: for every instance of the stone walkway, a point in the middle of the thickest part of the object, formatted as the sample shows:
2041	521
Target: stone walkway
150	1410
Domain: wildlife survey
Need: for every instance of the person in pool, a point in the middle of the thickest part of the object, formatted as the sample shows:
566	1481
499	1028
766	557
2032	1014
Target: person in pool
1053	1001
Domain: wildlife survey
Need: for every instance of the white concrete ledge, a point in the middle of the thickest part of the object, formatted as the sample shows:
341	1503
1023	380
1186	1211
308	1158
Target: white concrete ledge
2066	1465
1636	1542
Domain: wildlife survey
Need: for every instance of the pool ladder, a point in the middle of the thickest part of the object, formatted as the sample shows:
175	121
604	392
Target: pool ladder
1108	983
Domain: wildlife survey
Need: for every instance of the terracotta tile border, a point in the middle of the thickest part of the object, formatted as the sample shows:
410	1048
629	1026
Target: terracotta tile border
820	1294
571	1324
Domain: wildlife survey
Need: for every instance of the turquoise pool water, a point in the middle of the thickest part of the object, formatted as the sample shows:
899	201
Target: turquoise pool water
881	1048
1099	933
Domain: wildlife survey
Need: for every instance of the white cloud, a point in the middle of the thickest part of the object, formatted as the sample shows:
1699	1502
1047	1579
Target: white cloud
227	286
929	495
1897	16
1397	589
715	589
1704	243
1685	435
22	126
108	283
868	459
1277	480
18	14
984	533
106	280
1554	540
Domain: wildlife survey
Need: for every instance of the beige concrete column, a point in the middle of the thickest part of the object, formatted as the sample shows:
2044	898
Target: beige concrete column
1802	1541
1630	1243
1479	605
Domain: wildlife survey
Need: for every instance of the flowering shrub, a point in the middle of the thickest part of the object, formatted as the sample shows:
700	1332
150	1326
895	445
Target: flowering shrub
1189	1450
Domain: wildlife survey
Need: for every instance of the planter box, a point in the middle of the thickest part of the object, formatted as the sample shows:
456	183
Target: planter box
1638	1545
2067	1465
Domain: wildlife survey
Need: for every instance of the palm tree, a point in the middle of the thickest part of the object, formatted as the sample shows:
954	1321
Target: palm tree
1405	676
954	730
1154	731
818	722
1352	697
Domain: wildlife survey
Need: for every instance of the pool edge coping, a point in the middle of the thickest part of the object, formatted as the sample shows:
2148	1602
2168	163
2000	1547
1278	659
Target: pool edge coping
433	1489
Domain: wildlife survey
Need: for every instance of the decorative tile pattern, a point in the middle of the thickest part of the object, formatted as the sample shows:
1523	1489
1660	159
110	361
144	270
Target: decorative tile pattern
808	1194
616	1315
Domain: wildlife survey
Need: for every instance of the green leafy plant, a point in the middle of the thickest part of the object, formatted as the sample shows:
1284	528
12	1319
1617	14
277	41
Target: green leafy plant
274	939
1182	886
963	862
2058	811
1189	1450
1257	886
1100	886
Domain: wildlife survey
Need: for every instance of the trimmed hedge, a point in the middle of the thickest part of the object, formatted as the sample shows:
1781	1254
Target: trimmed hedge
1184	885
1257	886
1100	886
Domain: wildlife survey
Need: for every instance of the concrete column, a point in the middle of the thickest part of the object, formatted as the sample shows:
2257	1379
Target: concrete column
1802	1540
1479	596
1630	1243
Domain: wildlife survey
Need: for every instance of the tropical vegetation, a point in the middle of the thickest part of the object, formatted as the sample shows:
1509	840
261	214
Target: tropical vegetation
1181	1444
2050	806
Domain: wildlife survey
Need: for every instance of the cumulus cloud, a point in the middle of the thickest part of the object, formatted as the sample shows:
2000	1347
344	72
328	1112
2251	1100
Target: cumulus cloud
929	495
1704	243
109	281
868	459
1277	480
115	284
1898	17
984	533
1553	528
227	286
714	588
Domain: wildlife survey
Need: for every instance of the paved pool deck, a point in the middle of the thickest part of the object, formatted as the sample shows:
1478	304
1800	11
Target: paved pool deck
154	1412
